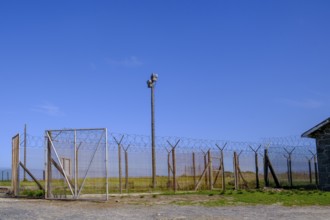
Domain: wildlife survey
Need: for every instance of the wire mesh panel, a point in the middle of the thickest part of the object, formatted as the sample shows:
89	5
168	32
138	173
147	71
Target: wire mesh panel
32	162
130	163
77	168
290	158
77	164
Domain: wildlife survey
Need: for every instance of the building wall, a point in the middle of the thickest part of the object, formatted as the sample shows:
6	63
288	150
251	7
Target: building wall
323	156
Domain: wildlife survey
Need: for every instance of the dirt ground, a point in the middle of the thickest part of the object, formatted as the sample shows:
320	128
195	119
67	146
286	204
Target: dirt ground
150	207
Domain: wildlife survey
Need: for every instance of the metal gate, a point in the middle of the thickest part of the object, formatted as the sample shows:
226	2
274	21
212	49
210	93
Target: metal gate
76	164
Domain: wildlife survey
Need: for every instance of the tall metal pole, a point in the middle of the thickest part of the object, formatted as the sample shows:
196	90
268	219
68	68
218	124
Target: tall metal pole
106	165
153	137
75	165
151	84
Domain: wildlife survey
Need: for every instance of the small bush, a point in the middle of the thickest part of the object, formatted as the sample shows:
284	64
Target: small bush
239	192
33	193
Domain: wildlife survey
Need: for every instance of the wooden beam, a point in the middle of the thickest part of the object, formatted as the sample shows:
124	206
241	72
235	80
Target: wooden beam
31	175
58	167
201	177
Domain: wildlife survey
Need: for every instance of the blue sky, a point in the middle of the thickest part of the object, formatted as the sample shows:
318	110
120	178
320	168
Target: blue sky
238	70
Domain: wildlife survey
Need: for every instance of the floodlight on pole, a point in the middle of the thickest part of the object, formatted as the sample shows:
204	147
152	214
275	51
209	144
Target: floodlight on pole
151	84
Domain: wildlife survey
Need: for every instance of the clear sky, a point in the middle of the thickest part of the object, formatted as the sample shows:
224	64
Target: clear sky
238	70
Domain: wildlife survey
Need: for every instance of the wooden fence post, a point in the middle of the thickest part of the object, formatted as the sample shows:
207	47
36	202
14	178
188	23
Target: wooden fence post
256	165
223	173
126	168
174	164
239	174
289	162
222	166
272	171
174	170
194	167
205	165
126	171
210	170
25	151
310	170
168	169
119	164
290	170
49	166
15	165
266	179
119	169
235	171
287	169
257	170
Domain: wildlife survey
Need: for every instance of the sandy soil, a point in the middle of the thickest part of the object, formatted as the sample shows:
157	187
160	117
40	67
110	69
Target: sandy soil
148	207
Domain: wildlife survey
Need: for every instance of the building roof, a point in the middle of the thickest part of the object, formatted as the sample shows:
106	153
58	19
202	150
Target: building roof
311	132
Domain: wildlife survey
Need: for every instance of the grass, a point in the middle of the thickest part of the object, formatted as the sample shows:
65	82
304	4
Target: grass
33	193
259	197
285	197
185	183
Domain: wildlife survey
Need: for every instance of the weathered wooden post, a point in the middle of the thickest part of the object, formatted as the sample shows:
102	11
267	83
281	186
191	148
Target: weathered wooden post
174	164
205	165
126	167
235	171
25	145
309	170
223	172
126	171
289	162
119	163
238	168
168	168
266	164
222	168
287	168
210	170
174	169
315	168
15	165
49	165
290	169
256	165
194	168
257	170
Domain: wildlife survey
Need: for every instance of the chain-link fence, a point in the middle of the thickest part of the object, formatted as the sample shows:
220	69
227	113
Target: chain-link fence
181	163
76	164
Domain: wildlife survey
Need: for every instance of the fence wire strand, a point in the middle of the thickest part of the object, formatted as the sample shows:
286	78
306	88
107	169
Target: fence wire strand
137	150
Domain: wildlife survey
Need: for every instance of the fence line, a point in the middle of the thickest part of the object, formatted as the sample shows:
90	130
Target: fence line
188	163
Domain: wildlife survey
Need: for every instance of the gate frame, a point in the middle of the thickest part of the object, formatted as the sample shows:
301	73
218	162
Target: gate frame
50	161
15	165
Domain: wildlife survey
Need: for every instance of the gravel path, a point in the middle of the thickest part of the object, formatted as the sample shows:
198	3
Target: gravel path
45	209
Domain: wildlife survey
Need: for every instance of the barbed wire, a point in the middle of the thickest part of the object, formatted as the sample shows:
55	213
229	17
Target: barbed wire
142	143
